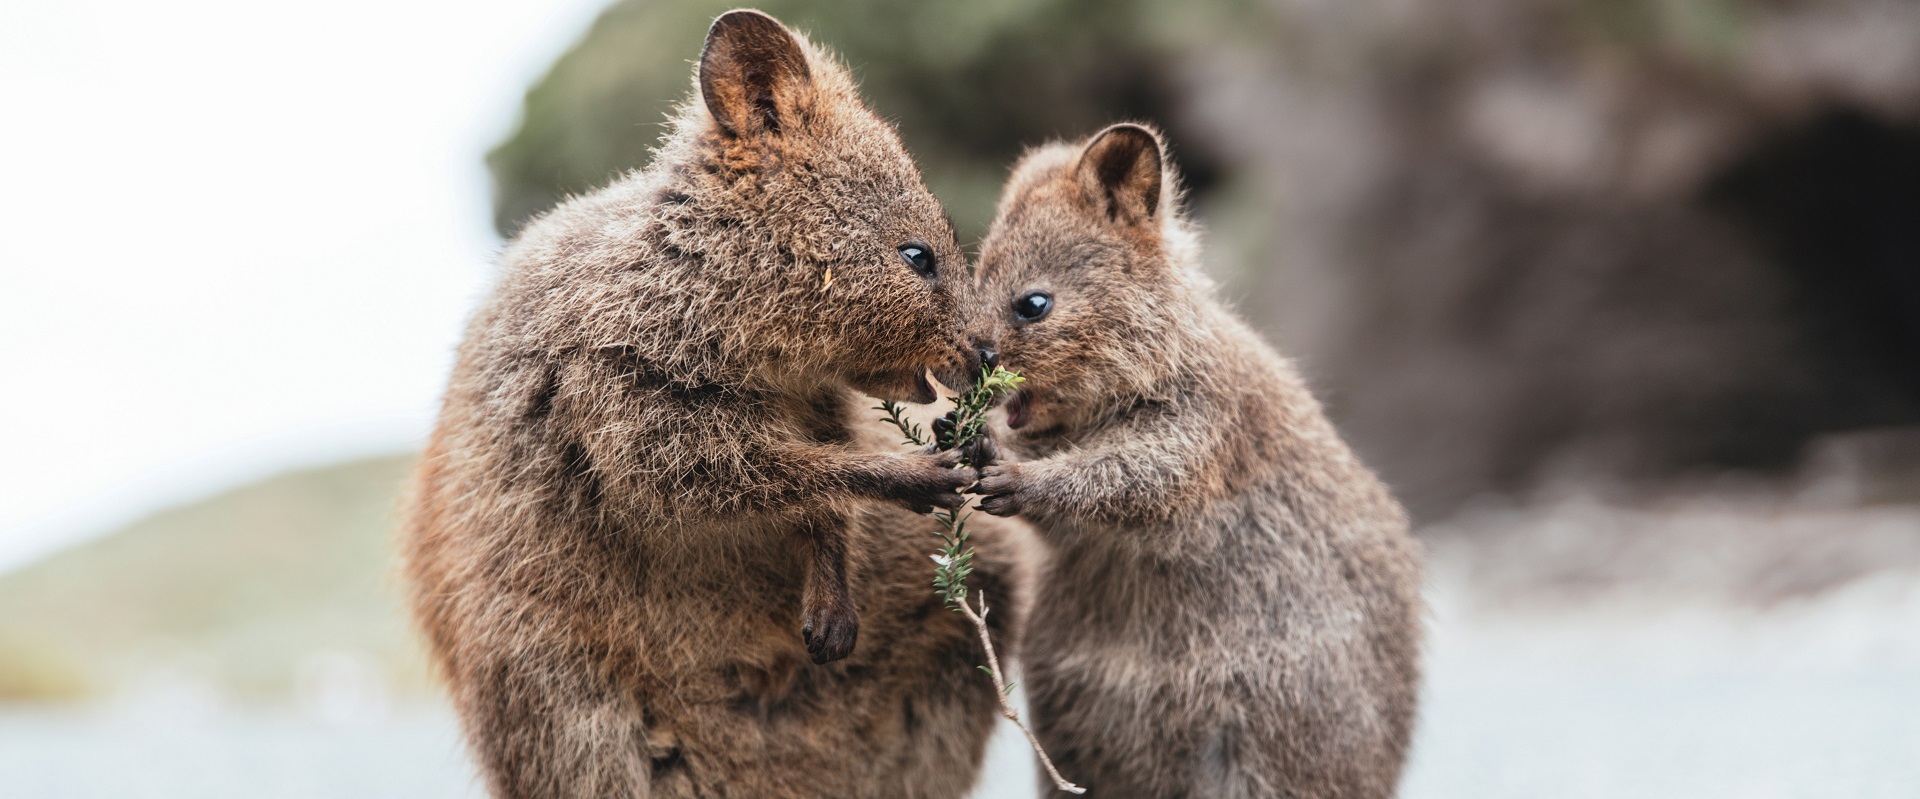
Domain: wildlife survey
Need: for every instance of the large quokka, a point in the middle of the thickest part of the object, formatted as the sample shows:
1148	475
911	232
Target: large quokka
1233	606
642	508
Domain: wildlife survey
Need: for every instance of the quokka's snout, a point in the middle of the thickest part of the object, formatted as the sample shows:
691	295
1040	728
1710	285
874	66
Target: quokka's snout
970	359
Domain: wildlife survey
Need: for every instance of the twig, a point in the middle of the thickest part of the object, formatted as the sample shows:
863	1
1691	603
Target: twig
1002	691
955	561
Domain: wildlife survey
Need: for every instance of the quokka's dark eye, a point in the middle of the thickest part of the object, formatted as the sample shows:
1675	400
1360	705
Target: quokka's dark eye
1033	306
919	256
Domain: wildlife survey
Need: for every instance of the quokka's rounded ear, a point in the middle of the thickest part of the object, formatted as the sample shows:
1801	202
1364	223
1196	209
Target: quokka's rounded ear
1120	168
754	77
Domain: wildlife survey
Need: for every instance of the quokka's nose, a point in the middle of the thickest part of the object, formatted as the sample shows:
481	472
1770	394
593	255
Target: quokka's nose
989	358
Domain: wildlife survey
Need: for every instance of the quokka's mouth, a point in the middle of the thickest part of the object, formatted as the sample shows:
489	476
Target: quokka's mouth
923	393
1019	409
905	385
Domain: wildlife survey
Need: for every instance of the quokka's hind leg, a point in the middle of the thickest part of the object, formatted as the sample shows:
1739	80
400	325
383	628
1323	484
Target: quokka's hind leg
547	728
829	622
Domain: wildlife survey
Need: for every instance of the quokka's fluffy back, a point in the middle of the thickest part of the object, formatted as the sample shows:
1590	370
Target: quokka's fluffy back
643	519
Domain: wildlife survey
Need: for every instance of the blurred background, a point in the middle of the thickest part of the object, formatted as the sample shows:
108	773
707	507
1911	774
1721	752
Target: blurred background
1622	296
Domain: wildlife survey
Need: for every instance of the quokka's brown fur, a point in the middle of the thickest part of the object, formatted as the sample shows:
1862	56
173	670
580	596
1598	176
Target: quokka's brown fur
644	511
1233	606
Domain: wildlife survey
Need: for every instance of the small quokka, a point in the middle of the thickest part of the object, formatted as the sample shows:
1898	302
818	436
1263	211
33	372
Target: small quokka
1233	606
644	508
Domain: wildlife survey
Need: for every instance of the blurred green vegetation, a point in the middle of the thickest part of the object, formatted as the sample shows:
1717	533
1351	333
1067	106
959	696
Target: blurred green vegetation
234	591
970	83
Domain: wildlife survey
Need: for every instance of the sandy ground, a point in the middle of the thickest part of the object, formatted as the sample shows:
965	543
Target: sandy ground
1642	654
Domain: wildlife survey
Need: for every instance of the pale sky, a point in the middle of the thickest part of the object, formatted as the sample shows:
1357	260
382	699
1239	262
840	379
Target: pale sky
237	237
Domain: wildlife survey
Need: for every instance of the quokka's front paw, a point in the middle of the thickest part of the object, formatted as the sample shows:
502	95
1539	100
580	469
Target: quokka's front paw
1001	489
978	454
981	453
829	630
925	481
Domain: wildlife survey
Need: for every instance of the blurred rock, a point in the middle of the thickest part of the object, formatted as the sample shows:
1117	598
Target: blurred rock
1521	240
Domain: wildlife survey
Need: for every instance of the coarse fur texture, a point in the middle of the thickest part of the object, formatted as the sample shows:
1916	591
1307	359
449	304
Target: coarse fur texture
645	510
1232	609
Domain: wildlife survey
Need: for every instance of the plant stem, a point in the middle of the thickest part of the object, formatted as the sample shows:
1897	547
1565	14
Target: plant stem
1002	690
964	424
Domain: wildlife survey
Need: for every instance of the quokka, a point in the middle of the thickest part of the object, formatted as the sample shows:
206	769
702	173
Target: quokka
644	517
1233	605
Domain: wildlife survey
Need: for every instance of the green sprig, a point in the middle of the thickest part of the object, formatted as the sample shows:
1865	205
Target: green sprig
896	413
964	425
968	419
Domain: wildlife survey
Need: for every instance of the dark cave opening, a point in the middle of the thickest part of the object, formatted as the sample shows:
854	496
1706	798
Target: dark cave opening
1834	205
